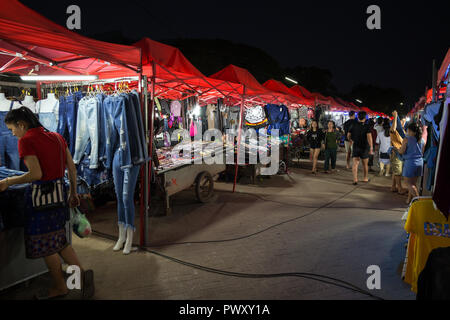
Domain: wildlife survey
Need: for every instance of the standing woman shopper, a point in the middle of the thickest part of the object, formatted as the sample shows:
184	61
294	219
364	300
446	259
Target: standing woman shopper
330	145
314	137
46	156
412	151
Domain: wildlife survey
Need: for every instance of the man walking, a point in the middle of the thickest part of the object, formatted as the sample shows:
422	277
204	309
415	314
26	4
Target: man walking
348	145
361	138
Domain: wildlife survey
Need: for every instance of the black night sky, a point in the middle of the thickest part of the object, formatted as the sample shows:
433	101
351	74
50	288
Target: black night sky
326	34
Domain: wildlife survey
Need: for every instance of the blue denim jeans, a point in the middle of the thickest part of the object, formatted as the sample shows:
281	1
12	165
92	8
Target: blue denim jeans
67	122
101	128
49	121
9	152
111	135
125	184
135	139
87	129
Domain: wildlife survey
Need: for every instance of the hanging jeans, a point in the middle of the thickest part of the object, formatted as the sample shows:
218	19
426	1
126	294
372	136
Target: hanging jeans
110	134
67	122
49	121
87	129
9	152
330	154
125	184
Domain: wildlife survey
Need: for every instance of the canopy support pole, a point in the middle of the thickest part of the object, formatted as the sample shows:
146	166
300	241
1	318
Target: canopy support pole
239	139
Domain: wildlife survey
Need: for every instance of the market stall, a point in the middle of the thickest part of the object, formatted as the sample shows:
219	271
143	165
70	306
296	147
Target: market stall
186	104
56	51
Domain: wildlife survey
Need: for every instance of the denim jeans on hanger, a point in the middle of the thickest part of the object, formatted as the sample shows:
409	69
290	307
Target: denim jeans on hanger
101	128
136	150
87	129
67	123
111	135
125	184
9	152
137	105
49	121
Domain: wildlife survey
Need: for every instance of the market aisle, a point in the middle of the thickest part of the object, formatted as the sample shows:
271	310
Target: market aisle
361	228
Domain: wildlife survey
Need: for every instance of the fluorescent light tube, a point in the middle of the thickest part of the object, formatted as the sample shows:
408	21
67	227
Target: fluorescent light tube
59	78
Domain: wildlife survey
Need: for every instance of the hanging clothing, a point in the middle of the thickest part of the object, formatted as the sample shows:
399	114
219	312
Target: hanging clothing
9	155
434	280
87	130
175	108
278	118
442	185
211	115
67	122
431	230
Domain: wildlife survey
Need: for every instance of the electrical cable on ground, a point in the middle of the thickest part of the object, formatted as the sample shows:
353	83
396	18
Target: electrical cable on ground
311	276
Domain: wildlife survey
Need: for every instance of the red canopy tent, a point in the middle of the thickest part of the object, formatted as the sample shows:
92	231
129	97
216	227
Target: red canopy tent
176	78
305	94
291	97
30	43
254	91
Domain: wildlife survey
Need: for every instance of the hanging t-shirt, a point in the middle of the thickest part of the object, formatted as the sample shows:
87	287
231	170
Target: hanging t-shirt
431	231
175	108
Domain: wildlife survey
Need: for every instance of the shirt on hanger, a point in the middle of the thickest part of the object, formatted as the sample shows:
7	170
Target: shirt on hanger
431	231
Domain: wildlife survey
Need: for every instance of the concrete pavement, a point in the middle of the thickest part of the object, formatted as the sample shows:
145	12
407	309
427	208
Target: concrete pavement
334	229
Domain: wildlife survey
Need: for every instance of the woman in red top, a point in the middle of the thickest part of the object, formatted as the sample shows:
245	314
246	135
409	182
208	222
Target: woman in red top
46	156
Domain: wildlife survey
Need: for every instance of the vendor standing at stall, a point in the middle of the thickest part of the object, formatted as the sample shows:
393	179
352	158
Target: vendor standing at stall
46	156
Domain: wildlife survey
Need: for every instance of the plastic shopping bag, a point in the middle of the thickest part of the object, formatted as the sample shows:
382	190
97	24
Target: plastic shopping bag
80	224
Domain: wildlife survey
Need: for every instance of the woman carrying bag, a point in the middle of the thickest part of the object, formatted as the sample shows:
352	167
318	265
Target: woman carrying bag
46	156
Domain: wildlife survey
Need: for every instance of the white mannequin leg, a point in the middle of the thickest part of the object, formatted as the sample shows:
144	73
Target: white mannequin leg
129	242
122	238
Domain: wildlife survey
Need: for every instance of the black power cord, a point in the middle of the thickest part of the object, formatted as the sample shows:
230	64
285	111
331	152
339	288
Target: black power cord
311	276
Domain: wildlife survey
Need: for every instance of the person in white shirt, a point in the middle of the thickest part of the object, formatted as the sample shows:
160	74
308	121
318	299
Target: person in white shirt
384	141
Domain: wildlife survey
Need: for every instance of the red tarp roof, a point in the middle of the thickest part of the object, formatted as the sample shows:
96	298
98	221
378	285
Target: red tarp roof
28	39
277	86
305	94
444	67
177	78
254	91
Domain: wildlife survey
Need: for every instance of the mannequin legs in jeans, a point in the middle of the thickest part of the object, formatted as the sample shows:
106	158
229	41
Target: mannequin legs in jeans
125	184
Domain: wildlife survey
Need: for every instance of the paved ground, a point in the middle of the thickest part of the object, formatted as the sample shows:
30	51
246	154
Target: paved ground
336	230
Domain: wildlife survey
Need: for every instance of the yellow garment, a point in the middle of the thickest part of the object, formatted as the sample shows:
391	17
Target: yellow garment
396	139
431	231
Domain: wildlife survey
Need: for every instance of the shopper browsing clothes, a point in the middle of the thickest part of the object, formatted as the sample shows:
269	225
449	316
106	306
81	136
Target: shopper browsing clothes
46	156
348	145
330	144
360	136
314	137
384	141
412	151
396	162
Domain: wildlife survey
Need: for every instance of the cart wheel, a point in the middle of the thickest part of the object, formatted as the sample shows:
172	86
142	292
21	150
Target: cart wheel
204	187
